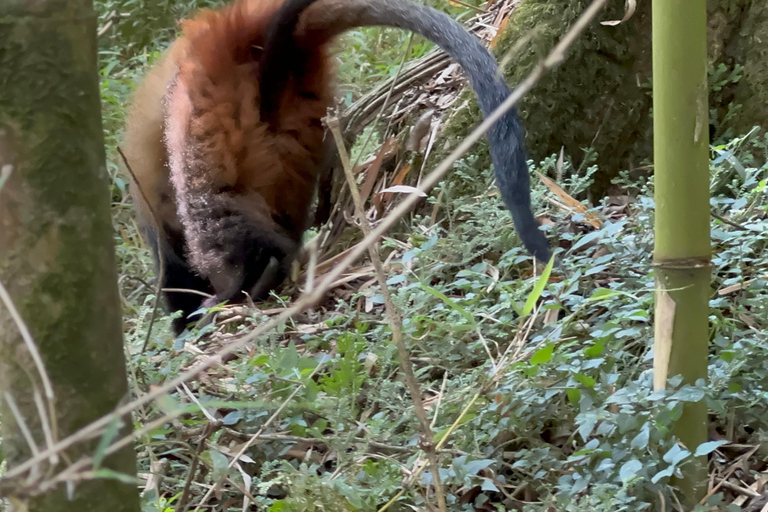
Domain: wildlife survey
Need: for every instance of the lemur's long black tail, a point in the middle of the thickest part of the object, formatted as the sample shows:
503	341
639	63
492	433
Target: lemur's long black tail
303	23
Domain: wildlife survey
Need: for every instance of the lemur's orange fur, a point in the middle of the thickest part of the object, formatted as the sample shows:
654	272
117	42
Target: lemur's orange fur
215	65
195	130
145	147
219	74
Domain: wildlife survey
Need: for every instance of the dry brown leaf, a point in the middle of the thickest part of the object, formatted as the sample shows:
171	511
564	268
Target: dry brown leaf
403	189
550	316
500	32
544	220
154	479
630	6
350	275
758	485
376	199
750	320
373	171
401	174
389	152
312	328
662	344
272	311
367	284
556	189
419	130
399	178
736	287
333	260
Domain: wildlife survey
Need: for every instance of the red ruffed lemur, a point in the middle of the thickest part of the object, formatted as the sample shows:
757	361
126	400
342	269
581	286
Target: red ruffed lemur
226	142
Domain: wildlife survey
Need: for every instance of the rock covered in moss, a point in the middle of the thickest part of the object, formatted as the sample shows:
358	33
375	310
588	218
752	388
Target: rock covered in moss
600	96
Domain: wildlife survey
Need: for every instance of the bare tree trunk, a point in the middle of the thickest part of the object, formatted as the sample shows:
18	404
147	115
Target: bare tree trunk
57	260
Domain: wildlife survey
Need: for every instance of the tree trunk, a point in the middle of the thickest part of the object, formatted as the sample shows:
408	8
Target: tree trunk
57	258
682	252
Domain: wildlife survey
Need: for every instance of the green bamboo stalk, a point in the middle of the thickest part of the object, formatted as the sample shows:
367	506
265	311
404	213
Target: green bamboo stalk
682	252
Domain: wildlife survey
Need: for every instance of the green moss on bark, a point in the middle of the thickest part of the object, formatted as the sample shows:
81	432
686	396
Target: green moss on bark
56	241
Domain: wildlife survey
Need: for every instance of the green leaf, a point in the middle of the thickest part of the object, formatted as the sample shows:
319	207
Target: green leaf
640	441
603	293
594	351
709	447
260	360
585	380
543	355
538	288
475	466
574	395
585	240
689	394
106	440
488	485
663	474
629	469
675	455
587	425
440	434
108	474
451	304
287	358
220	465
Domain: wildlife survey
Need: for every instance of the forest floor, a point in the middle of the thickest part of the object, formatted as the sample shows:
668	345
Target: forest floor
538	392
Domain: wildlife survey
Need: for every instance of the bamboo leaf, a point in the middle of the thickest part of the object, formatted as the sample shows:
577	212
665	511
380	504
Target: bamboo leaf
533	297
106	440
450	303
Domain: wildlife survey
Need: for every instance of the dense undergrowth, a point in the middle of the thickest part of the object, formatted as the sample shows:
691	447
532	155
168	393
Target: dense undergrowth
552	411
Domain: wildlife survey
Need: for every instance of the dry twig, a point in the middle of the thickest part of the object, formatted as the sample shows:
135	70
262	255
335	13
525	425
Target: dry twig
394	316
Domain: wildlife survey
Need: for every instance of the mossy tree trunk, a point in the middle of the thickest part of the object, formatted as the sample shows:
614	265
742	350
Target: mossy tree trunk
57	259
682	251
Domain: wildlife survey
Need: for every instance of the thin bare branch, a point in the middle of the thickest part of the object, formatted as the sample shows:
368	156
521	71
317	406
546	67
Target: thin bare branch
394	315
36	357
